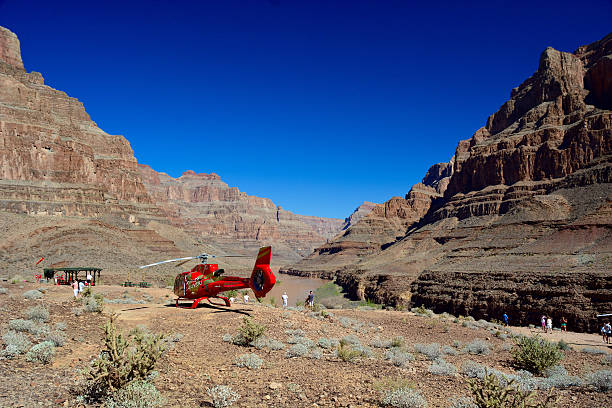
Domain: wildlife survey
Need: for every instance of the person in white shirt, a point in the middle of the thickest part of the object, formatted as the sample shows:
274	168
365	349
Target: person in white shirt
81	286
285	299
246	298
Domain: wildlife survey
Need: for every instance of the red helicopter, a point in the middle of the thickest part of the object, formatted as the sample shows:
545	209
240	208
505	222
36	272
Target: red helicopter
204	281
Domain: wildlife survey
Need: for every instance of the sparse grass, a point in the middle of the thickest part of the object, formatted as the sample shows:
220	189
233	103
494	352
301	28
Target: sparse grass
346	352
535	354
593	350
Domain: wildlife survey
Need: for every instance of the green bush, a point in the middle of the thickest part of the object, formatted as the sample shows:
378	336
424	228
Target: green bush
535	354
125	358
94	304
248	332
489	393
348	352
138	394
41	353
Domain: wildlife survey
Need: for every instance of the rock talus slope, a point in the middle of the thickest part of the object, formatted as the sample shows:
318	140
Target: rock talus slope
520	220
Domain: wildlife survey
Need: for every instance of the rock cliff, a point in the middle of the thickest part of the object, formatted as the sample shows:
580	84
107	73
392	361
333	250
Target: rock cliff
518	221
205	205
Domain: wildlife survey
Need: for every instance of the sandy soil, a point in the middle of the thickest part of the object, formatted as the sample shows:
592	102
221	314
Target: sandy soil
201	359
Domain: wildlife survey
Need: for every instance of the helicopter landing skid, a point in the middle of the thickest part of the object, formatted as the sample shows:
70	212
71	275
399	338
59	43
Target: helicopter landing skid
196	301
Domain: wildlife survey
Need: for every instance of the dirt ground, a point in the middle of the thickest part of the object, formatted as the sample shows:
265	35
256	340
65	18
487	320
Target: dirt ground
201	359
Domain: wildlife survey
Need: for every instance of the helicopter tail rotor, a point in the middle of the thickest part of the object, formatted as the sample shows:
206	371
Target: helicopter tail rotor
262	279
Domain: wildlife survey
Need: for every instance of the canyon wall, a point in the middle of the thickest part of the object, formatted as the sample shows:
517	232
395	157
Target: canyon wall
520	220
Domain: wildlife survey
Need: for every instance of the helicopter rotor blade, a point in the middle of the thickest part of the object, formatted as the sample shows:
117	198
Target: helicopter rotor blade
169	260
182	263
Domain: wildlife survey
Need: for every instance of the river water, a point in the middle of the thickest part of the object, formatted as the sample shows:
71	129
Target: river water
297	288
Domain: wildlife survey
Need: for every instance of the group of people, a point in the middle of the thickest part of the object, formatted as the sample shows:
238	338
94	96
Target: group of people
245	298
79	285
547	324
606	332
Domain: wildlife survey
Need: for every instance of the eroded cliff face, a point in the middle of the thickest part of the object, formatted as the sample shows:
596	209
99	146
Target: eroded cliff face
520	219
205	205
53	157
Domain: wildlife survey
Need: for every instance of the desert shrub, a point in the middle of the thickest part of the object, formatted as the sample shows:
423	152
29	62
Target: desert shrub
37	313
94	304
77	311
3	291
301	340
347	352
398	357
327	344
422	311
441	367
449	350
478	347
248	332
490	393
260	343
16	343
593	350
57	338
402	398
295	332
127	300
431	351
41	353
559	381
378	343
138	394
32	294
315	354
607	359
456	344
228	338
297	350
350	339
563	345
462	402
473	370
21	325
398	341
348	323
535	354
222	396
124	359
275	344
250	360
174	337
601	380
60	326
364	351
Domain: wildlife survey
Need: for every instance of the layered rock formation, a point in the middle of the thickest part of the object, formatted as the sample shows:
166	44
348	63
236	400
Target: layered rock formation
519	220
205	205
53	158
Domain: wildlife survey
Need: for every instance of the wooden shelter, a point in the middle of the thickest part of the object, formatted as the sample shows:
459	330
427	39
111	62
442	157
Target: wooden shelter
72	274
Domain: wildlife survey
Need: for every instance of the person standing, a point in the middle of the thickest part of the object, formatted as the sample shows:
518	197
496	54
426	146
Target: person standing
505	317
563	324
608	328
543	321
549	325
310	299
75	289
246	297
285	299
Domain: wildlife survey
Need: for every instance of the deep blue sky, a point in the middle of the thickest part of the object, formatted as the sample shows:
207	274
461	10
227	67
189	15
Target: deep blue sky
317	105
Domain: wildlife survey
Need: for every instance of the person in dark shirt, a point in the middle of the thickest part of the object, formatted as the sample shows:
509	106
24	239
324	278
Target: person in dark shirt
310	299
